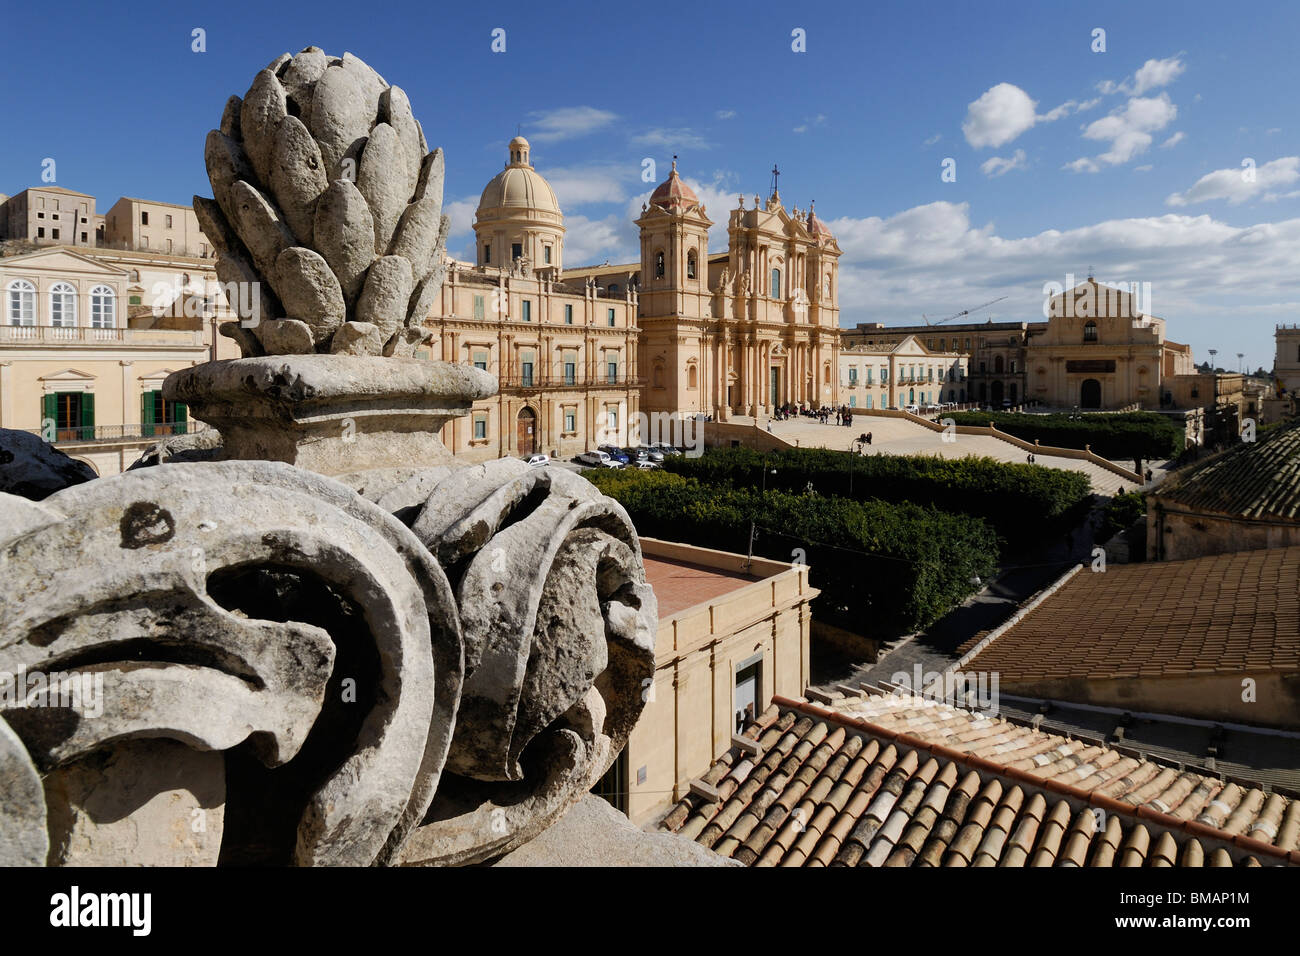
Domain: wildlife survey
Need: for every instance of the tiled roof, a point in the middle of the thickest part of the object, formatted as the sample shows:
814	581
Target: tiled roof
899	781
1221	614
1253	480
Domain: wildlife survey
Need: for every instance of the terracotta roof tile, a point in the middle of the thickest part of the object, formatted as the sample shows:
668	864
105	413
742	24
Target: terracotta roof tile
1256	480
891	780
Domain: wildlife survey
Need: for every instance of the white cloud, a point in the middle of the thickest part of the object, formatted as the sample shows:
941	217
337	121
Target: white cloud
461	212
810	122
1174	140
998	166
1143	169
592	241
1232	184
718	196
725	114
680	139
581	185
1154	74
549	126
1151	75
1128	129
1005	111
1275	129
1000	114
934	139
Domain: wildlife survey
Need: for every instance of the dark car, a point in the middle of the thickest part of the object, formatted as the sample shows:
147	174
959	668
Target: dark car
616	453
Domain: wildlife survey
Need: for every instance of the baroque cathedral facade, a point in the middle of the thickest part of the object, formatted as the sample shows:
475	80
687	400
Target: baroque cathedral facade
590	355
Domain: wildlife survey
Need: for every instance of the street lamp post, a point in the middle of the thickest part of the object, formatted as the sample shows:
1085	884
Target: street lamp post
753	529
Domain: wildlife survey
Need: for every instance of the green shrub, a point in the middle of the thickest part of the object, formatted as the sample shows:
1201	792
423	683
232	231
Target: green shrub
1120	512
882	568
1016	499
1119	437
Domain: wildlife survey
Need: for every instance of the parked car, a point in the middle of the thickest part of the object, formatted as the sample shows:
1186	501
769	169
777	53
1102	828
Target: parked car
651	452
645	464
592	459
666	450
538	460
912	409
618	454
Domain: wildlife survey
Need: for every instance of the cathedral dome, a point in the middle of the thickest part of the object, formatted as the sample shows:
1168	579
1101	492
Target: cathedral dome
673	194
518	187
816	226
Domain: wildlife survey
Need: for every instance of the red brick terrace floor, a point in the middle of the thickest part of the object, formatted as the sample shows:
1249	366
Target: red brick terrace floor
679	585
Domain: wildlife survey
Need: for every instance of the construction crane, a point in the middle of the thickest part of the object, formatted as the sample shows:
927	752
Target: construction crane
958	315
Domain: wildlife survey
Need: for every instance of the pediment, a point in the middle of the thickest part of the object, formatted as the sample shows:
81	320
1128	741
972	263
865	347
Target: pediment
60	260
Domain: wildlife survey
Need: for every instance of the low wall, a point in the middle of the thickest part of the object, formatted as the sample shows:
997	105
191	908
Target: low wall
722	434
991	431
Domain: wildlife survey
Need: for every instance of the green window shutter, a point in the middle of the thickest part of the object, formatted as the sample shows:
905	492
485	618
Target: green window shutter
181	411
88	414
146	415
49	410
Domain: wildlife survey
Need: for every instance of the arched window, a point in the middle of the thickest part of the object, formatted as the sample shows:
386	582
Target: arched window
63	305
659	376
690	264
690	376
659	265
20	302
135	275
1090	332
776	283
103	308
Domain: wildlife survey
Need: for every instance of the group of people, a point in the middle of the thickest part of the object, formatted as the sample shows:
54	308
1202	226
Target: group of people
843	415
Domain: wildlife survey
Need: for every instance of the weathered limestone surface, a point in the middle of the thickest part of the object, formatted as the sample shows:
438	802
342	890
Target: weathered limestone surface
322	157
592	833
282	656
35	469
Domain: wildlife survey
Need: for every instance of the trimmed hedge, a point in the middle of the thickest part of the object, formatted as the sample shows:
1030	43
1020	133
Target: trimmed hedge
1121	512
882	568
1016	499
1119	437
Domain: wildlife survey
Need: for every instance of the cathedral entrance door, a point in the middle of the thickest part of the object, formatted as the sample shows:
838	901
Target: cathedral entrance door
526	431
774	389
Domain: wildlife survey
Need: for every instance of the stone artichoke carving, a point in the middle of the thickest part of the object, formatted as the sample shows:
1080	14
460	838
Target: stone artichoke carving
327	216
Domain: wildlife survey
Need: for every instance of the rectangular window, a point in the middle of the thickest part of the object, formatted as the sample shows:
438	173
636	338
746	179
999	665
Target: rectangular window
570	373
568	315
869	401
516	250
526	373
478	307
40	232
528	310
144	219
610	315
83	237
480	426
546	255
73	414
481	360
169	222
169	245
487	255
158	416
853	401
611	370
853	376
612	419
144	242
570	420
54	233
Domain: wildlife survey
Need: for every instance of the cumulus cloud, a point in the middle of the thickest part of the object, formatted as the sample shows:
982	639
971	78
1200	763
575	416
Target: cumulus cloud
1174	140
999	166
1237	185
934	139
461	212
1151	75
581	185
1004	111
1128	129
567	122
1000	114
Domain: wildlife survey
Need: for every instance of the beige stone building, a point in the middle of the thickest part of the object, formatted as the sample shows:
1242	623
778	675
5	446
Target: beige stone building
907	373
731	637
1100	351
152	226
994	352
564	351
736	333
86	340
1282	399
51	214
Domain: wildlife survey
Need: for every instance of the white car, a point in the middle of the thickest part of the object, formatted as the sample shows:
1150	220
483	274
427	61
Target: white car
912	409
645	464
538	460
598	459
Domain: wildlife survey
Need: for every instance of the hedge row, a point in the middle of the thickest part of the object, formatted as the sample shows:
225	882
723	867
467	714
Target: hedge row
882	568
1016	499
1119	437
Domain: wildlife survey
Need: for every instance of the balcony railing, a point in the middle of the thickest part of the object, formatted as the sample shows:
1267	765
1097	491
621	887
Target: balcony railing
88	433
87	335
559	381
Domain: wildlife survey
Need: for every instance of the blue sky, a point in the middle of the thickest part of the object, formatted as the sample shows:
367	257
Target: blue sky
1127	160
